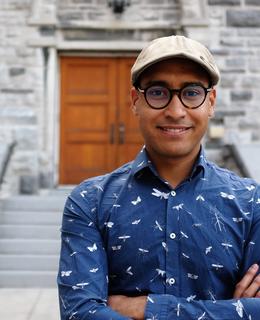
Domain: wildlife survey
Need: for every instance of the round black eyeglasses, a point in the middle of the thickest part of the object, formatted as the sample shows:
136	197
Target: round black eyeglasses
191	96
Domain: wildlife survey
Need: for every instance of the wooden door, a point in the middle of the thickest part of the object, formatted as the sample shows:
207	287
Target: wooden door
98	131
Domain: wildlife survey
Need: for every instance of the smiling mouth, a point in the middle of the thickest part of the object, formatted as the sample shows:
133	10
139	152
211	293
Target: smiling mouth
174	130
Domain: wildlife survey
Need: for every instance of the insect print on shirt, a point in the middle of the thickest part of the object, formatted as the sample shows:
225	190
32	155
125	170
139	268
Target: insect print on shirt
191	298
228	196
200	198
136	221
192	276
72	316
160	194
93	248
109	224
219	224
217	266
178	207
83	192
66	273
158	226
239	308
208	249
135	202
160	273
178	309
251	187
227	245
164	245
203	316
124	237
128	270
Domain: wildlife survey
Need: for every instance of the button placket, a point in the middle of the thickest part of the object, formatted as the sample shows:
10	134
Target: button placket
172	244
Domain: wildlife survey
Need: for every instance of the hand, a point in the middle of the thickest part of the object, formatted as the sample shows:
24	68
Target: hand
249	285
132	307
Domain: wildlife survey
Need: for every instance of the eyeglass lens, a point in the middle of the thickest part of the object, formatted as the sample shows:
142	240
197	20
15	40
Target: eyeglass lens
191	96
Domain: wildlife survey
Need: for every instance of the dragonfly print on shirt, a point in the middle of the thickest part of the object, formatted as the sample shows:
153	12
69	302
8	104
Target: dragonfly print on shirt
130	233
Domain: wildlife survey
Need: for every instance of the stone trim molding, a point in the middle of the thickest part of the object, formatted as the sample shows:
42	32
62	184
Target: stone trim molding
193	13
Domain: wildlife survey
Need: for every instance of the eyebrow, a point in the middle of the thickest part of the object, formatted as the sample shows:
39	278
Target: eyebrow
166	84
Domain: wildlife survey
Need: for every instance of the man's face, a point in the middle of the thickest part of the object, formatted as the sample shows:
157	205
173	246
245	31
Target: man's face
174	132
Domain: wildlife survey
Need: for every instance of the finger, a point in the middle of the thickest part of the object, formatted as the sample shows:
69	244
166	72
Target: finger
253	289
257	294
245	281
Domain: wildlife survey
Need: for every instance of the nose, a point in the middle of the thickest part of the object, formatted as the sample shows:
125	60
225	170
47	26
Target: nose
175	108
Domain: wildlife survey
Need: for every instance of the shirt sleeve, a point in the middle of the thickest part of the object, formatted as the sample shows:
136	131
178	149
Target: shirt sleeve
82	278
168	307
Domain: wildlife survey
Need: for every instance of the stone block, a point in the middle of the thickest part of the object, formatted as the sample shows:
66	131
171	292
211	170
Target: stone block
228	81
13	72
29	184
236	63
254	42
251	81
254	65
224	2
248	32
243	96
47	31
243	18
253	2
68	16
46	180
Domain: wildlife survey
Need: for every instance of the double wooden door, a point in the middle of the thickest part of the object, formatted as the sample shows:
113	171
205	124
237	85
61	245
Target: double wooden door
98	131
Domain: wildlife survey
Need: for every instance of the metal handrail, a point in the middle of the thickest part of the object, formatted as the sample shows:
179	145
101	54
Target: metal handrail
6	160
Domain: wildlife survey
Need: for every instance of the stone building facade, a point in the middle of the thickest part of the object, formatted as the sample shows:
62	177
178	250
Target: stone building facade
34	34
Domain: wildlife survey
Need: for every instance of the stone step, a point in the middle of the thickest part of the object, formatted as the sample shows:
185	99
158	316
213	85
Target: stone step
29	246
21	262
29	232
31	218
34	203
28	279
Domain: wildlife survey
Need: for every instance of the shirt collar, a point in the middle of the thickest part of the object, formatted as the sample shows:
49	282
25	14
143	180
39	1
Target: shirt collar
142	161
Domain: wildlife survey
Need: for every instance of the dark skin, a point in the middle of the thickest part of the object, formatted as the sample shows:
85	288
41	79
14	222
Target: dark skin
174	155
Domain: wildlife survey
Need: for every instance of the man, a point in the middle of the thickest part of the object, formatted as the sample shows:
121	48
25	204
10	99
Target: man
169	235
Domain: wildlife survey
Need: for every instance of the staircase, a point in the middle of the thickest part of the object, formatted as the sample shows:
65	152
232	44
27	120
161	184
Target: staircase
30	240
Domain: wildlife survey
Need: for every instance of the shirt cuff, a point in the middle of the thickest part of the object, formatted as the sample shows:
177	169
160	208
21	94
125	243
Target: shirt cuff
157	306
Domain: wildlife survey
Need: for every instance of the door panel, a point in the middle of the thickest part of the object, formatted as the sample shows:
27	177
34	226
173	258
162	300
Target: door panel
98	129
129	140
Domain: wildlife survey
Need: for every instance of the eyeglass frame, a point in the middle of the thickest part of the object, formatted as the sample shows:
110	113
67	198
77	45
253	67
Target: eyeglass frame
172	91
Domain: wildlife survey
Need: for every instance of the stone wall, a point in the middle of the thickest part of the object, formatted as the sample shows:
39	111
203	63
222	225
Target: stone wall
234	38
34	32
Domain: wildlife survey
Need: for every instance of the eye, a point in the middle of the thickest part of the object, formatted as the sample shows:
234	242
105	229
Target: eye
157	92
192	92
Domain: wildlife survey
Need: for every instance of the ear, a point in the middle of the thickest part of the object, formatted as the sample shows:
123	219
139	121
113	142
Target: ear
212	102
134	99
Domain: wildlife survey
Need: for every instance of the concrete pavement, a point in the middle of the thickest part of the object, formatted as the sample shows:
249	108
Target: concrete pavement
29	304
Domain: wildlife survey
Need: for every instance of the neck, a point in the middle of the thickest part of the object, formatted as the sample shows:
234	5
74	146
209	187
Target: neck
174	170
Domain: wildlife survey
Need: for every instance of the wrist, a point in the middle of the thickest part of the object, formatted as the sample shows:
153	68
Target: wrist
138	305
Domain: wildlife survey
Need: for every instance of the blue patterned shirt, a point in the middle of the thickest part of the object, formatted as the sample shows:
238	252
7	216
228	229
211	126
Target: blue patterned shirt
129	232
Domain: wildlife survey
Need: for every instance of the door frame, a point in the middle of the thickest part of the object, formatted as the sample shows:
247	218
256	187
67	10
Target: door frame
53	101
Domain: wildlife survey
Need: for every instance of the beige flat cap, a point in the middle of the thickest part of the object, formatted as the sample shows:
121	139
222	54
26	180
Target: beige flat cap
175	47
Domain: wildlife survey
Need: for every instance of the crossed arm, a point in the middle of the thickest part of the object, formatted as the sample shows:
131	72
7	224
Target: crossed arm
83	295
134	307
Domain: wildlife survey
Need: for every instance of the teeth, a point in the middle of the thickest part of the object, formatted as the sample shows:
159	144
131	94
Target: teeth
174	130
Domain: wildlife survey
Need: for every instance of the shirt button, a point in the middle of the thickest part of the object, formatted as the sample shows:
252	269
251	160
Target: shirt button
172	235
171	281
173	193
